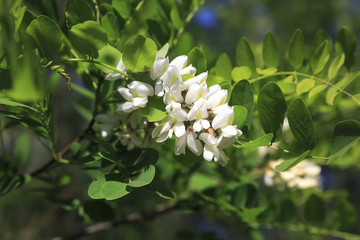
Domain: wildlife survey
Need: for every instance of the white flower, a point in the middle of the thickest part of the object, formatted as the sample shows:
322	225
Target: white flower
173	94
188	70
216	96
115	75
223	120
159	67
199	113
199	79
136	95
179	62
173	124
212	150
189	139
304	175
195	92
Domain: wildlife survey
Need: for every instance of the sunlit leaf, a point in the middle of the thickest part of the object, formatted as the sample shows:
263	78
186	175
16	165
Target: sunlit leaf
88	37
112	190
123	7
198	60
305	85
286	165
261	141
46	34
335	65
94	190
240	114
241	73
110	56
143	178
139	53
316	90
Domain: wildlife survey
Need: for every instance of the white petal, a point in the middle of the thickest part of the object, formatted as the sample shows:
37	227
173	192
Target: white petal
208	139
194	93
162	137
180	115
170	76
188	70
197	126
208	153
229	131
199	79
125	93
224	142
180	144
222	159
194	144
179	62
159	67
125	107
141	89
222	119
140	102
159	89
205	123
179	129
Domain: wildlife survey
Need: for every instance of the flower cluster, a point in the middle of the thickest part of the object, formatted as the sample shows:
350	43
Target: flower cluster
304	175
197	115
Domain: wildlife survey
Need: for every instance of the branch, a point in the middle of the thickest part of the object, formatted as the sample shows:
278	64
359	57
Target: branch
137	217
66	149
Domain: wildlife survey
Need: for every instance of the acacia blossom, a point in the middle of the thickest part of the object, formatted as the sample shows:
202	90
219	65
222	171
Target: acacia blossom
197	115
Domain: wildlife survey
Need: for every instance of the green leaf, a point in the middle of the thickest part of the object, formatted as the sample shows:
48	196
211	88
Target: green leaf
345	215
144	178
296	49
272	108
314	210
21	150
78	11
305	85
301	123
346	133
46	34
316	90
11	103
111	25
161	190
8	184
163	51
261	141
346	43
175	17
240	114
270	51
286	165
332	93
88	37
139	54
108	55
153	110
94	190
123	7
223	66
266	71
244	55
197	58
113	190
320	57
199	182
335	65
241	73
242	95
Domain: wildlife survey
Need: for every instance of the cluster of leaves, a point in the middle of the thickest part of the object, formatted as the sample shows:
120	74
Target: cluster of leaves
312	85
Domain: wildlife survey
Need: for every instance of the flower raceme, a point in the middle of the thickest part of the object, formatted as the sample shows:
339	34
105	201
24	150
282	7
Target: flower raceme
197	115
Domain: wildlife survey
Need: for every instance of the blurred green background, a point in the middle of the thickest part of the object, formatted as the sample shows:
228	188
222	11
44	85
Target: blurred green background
217	27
